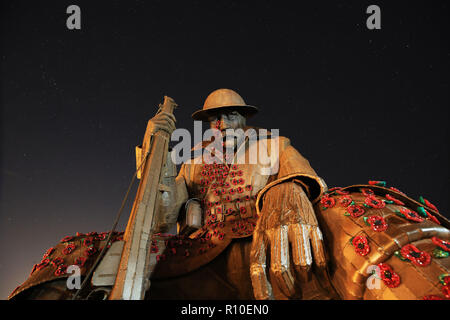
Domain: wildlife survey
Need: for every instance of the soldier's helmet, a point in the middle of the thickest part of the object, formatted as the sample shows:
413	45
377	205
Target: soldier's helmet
223	100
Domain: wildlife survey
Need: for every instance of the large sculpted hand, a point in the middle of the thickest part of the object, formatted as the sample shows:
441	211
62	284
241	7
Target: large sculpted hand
288	228
162	121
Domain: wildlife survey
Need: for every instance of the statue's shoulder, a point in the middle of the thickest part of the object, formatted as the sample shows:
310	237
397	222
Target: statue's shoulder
80	250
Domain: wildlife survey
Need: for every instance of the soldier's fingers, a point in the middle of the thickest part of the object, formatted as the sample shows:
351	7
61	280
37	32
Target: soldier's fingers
261	286
317	247
301	251
169	115
164	125
280	259
165	118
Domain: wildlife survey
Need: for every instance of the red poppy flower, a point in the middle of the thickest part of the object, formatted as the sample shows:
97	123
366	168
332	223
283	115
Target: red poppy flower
80	261
432	218
229	211
90	251
373	202
377	183
417	257
242	210
48	252
202	190
234	167
327	202
67	239
57	261
43	264
389	277
444	245
232	174
232	191
377	223
154	249
239	173
345	201
396	201
218	211
355	210
367	192
69	249
432	297
61	270
88	241
240	190
213	217
221	236
410	215
361	245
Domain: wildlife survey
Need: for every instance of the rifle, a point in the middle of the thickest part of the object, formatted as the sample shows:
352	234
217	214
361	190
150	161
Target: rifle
133	276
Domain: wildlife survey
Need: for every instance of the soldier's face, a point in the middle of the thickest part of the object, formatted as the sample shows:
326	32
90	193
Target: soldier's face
227	120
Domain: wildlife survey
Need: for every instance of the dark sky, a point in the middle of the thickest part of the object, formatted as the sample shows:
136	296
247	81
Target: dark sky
359	104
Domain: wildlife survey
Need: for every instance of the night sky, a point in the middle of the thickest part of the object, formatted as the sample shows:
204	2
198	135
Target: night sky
359	104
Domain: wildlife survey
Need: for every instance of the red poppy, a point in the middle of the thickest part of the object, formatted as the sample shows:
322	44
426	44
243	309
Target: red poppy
417	257
102	236
69	249
154	249
229	211
396	201
242	210
377	223
213	217
345	201
221	236
67	239
57	261
239	173
373	202
61	270
234	167
327	202
410	215
444	245
355	210
43	264
432	218
377	183
232	191
48	253
90	251
80	261
88	241
240	190
367	192
361	245
389	277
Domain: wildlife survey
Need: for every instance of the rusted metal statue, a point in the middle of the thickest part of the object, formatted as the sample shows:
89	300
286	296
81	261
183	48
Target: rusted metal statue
252	230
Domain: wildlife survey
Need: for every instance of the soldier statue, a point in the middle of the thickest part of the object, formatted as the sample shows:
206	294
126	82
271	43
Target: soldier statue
263	229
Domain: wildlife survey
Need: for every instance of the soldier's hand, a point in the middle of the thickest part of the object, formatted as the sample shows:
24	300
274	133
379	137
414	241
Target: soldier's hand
162	121
288	228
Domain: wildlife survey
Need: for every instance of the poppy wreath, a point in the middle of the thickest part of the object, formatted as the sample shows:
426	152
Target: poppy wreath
377	223
361	245
69	249
390	278
417	257
432	297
